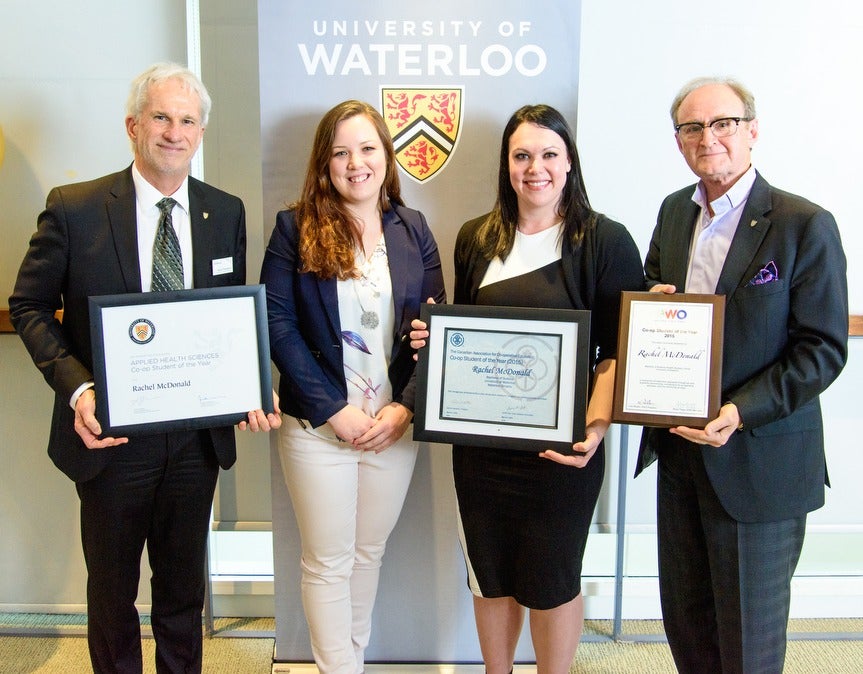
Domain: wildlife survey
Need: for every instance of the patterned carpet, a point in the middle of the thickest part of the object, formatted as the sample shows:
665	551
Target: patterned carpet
816	646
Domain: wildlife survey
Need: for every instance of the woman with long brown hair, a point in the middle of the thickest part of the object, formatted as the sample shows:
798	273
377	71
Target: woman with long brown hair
346	270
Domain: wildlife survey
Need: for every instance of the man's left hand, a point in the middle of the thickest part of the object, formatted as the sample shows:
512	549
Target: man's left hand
715	433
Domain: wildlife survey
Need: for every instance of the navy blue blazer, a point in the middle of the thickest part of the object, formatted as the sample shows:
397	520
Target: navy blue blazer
303	314
785	342
87	244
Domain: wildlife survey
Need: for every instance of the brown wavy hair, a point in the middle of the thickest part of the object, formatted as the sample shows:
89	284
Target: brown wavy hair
328	232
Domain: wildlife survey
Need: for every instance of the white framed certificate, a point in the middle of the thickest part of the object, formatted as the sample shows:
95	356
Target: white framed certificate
669	359
507	377
180	360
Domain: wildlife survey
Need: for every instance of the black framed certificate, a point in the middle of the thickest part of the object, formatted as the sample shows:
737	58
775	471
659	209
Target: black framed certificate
506	377
180	360
669	359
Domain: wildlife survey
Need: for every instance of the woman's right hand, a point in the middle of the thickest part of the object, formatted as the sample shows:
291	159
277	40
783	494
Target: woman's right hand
419	333
350	422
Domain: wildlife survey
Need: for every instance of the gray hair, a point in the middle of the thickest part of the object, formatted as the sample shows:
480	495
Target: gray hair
742	93
159	72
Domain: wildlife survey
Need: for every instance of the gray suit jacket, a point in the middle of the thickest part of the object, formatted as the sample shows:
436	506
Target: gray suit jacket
785	342
86	244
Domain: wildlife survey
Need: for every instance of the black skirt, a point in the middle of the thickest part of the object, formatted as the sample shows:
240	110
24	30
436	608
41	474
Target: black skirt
525	519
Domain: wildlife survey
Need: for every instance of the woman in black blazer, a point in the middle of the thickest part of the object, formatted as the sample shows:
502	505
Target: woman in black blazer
524	516
346	270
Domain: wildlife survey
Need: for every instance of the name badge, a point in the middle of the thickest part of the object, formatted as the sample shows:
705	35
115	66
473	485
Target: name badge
224	265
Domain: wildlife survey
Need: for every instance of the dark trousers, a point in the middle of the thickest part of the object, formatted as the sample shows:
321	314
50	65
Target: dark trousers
725	586
158	491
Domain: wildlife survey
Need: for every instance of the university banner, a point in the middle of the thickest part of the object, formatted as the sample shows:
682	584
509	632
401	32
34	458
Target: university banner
445	86
446	76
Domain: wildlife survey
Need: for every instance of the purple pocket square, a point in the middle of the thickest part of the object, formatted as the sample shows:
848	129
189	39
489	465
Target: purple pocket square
767	274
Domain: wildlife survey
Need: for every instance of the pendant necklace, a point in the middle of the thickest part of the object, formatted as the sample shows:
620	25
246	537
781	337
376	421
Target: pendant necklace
369	319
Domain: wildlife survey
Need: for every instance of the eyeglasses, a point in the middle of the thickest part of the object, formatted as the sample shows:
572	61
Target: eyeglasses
720	128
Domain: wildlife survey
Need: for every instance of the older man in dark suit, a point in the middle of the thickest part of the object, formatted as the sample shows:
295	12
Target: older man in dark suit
97	238
733	497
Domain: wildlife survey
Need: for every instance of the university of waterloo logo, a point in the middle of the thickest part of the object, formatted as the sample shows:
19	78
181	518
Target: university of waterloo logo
424	124
142	331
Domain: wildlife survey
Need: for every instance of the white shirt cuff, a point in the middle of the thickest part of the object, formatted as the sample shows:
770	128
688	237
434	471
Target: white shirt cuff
78	391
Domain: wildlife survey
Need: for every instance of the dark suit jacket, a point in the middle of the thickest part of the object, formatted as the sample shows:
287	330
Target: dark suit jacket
785	342
305	332
86	244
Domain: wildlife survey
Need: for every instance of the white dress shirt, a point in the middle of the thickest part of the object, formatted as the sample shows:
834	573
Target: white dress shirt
146	198
712	237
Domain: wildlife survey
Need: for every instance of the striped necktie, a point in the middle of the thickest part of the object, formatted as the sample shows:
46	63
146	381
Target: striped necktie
167	258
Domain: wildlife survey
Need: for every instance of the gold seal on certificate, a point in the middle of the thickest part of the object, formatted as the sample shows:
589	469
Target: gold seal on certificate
503	377
180	360
669	359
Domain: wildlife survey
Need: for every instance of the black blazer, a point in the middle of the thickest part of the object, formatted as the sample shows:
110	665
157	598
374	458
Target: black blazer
303	313
785	342
86	244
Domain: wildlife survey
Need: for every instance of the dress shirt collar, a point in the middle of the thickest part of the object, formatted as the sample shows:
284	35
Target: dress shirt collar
733	198
148	196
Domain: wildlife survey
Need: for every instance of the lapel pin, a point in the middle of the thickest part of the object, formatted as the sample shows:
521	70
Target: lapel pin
207	215
751	224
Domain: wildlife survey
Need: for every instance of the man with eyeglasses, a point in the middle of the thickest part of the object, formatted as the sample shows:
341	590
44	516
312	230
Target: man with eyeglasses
732	498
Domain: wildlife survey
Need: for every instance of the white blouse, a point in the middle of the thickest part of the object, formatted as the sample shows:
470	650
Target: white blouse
529	252
367	318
